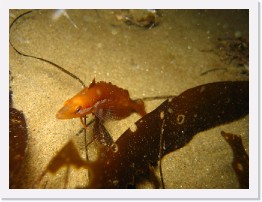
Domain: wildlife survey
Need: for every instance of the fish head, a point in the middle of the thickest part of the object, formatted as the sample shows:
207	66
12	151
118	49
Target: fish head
75	107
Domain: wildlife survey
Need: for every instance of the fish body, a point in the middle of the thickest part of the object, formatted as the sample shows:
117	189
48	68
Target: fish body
105	100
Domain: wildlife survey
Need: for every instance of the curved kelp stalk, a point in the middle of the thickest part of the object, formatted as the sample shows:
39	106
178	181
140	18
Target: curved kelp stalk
167	128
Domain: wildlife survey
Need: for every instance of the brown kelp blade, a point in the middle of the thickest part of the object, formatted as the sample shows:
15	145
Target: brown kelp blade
18	138
177	120
174	123
241	160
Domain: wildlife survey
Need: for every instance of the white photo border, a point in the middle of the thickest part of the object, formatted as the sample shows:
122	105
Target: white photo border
251	193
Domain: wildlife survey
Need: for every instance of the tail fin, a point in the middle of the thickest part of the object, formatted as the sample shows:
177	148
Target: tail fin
139	107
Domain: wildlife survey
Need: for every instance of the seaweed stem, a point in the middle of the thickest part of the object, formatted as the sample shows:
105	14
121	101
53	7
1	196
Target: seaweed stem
42	59
211	70
156	97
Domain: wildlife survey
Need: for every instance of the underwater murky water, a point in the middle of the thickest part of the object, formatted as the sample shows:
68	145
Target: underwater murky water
149	56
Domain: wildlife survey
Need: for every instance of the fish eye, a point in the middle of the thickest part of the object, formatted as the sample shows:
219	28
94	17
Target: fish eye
78	109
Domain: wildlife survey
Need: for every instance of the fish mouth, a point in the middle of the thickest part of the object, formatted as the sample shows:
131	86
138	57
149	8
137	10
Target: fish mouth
63	114
60	116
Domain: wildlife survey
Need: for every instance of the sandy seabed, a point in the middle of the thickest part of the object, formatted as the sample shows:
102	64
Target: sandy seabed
164	60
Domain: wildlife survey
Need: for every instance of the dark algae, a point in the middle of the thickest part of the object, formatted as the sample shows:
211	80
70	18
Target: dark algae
240	161
17	142
176	121
231	51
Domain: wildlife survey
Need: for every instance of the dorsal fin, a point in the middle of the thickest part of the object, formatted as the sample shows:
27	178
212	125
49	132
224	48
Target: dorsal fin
93	83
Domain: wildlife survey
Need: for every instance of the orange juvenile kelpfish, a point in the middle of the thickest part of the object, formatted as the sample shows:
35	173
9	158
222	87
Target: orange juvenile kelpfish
105	100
